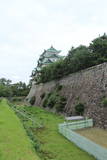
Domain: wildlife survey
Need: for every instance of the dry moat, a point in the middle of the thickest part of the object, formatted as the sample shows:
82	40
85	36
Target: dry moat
97	135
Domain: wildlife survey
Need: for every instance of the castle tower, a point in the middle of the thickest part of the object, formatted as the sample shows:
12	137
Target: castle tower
47	57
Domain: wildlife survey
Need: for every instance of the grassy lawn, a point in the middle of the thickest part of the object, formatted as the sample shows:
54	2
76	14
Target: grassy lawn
53	146
97	135
14	143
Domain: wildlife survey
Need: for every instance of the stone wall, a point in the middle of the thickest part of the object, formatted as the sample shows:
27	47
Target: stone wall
88	86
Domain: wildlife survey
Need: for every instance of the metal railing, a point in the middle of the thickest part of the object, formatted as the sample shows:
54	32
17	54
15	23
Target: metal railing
67	130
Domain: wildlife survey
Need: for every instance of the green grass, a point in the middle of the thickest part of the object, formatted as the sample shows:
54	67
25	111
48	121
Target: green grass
14	143
53	145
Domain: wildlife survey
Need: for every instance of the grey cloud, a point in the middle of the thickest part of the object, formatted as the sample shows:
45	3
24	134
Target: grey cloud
28	27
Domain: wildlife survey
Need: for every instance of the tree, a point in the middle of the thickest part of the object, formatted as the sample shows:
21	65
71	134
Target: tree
99	48
7	89
20	89
77	59
5	81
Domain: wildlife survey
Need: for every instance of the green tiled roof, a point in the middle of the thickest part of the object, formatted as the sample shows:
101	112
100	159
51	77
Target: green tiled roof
53	50
47	57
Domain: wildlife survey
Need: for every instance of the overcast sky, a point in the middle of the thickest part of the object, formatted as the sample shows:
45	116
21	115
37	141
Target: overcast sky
27	27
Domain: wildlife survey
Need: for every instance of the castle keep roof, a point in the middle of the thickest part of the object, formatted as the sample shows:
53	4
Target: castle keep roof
49	56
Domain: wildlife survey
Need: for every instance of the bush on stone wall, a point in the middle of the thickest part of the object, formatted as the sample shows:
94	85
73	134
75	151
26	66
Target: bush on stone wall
32	100
42	95
104	102
52	100
59	87
55	100
79	108
46	100
59	106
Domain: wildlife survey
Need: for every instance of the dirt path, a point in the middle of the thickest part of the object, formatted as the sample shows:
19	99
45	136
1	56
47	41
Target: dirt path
97	135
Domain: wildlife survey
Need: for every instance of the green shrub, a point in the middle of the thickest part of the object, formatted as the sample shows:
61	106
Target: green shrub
46	100
63	99
15	99
42	95
59	107
49	101
60	104
79	108
59	87
52	100
32	100
104	102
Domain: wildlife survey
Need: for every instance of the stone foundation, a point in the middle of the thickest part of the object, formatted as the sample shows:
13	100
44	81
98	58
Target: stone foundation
88	86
